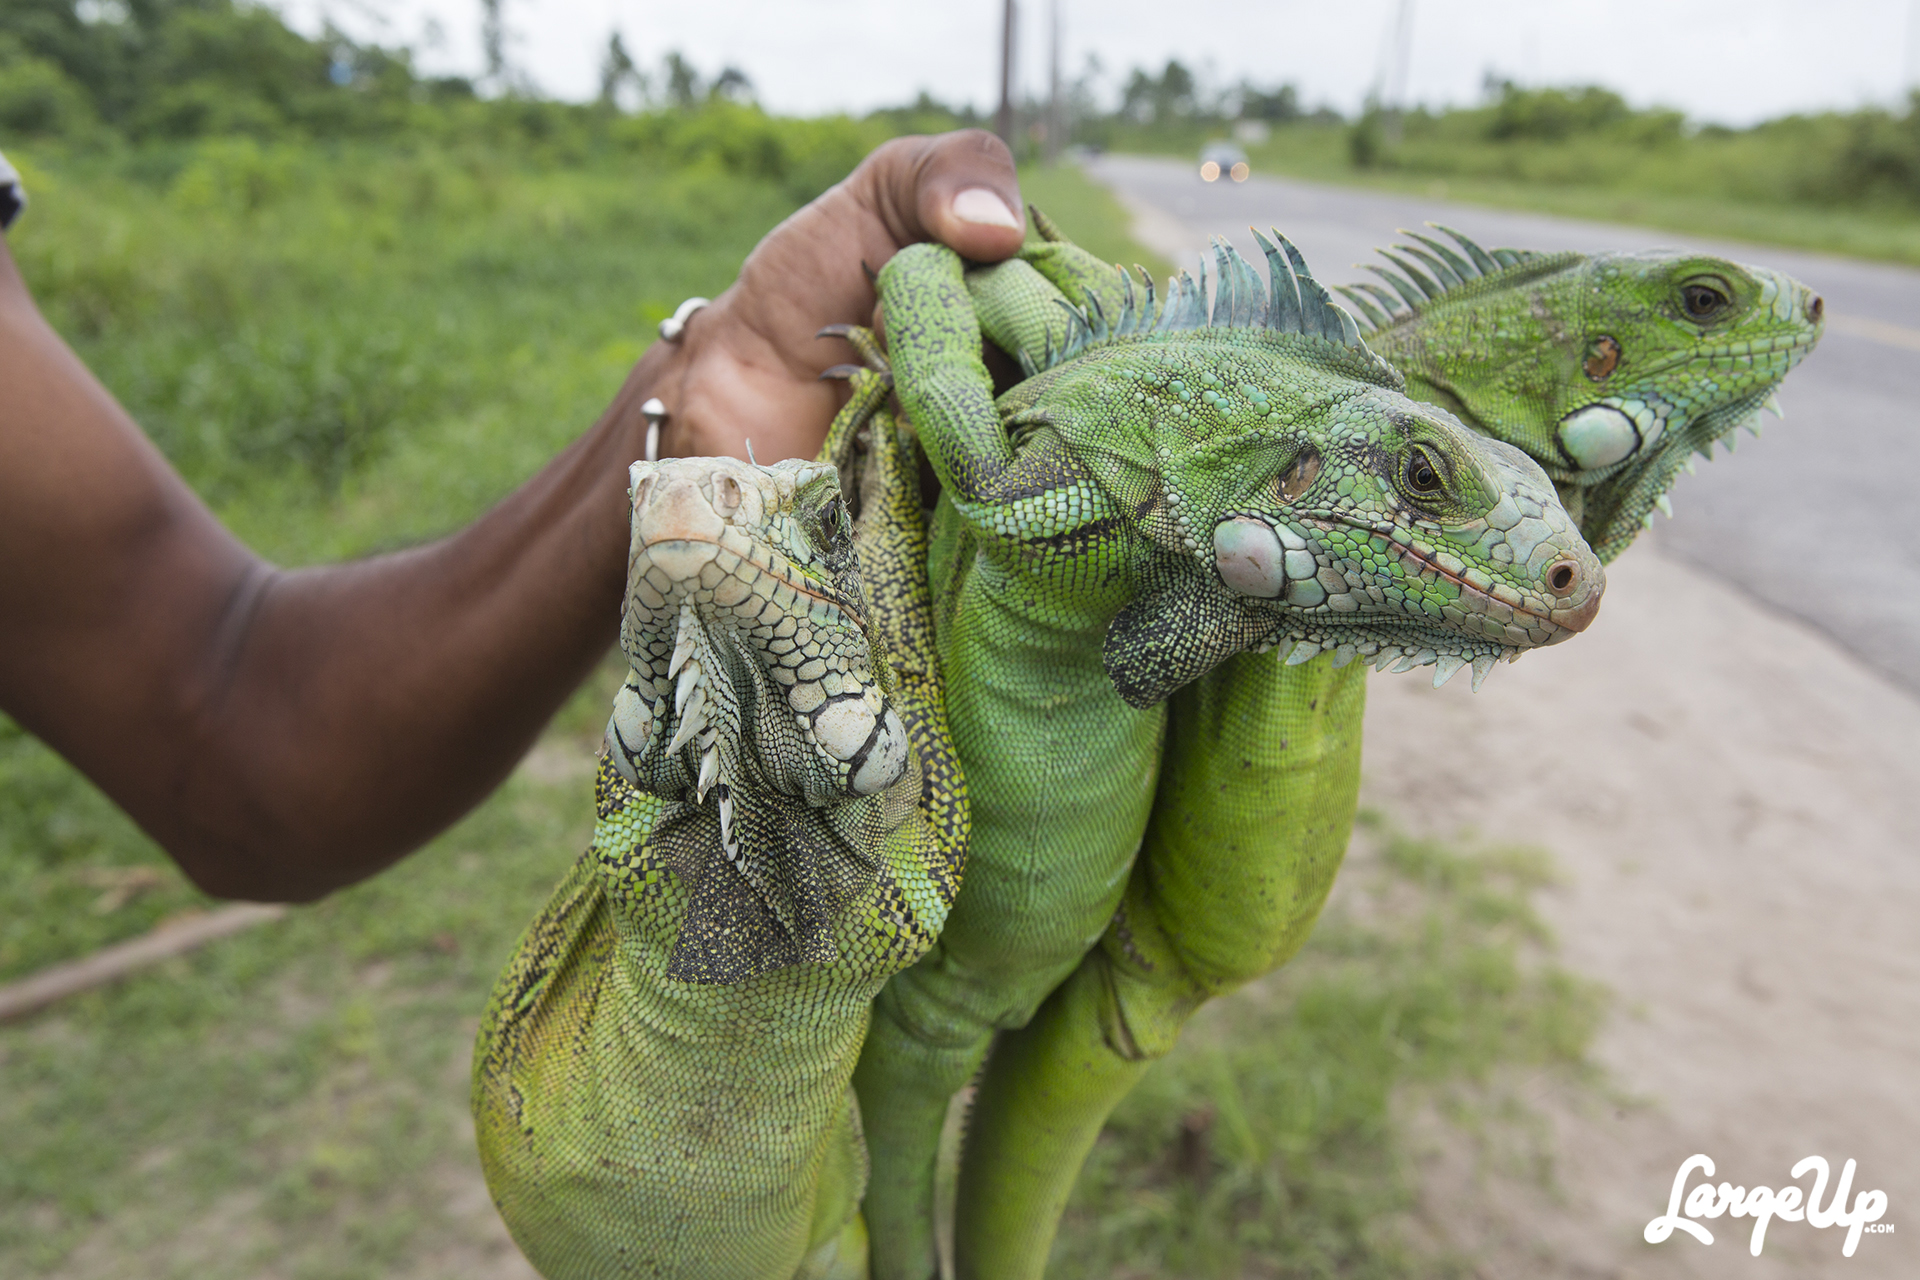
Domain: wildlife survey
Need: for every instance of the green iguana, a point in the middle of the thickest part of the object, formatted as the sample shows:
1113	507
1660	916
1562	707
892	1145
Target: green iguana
1170	489
1611	370
661	1084
1254	804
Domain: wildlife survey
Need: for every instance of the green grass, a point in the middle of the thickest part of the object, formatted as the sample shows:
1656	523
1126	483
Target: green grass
1273	1141
347	350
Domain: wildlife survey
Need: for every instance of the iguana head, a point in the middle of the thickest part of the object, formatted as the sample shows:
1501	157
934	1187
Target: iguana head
1293	497
755	700
1611	369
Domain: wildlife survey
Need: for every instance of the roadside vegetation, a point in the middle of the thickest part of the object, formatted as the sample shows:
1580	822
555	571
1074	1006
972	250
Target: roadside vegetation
1843	182
355	307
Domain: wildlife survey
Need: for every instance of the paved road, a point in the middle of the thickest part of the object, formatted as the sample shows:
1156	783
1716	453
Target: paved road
1818	517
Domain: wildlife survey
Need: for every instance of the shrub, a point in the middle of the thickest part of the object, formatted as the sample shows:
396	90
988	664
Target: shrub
37	98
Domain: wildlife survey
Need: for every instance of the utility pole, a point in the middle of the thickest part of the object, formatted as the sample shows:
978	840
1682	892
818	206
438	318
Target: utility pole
1003	118
1056	117
1912	68
493	43
1399	55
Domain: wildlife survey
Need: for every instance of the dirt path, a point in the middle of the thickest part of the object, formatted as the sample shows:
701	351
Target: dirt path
1736	804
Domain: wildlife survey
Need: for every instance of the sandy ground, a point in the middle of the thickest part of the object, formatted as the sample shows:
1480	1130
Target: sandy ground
1735	803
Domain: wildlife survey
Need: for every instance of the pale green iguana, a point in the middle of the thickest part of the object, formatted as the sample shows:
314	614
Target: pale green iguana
661	1083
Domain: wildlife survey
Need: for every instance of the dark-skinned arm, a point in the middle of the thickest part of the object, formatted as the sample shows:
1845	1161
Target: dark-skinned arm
283	733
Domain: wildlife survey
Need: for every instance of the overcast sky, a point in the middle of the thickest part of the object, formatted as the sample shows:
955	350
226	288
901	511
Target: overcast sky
1732	61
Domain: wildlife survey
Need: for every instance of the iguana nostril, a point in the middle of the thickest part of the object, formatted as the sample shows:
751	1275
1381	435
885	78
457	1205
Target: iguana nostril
1564	578
726	495
1816	309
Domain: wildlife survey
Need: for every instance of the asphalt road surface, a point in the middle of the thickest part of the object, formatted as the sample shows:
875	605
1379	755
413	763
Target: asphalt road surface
1817	517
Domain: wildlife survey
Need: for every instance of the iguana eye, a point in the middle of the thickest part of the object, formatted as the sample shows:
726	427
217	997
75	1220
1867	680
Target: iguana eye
830	527
1703	301
1422	477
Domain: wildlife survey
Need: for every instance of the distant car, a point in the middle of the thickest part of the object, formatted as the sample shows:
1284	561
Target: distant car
1223	159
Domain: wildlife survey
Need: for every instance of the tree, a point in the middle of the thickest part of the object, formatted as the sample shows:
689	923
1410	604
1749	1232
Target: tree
617	71
683	82
1275	107
1156	100
731	84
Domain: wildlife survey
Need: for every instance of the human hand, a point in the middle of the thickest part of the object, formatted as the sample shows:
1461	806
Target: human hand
748	367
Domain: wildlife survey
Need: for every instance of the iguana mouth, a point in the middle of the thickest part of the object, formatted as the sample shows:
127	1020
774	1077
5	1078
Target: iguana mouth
729	559
1566	622
1764	345
1561	622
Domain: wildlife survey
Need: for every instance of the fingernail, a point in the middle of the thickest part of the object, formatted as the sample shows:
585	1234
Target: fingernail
979	205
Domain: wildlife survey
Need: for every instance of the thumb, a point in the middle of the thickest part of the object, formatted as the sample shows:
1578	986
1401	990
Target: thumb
957	188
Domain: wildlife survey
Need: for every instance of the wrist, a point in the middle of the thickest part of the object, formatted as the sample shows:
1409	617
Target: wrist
657	376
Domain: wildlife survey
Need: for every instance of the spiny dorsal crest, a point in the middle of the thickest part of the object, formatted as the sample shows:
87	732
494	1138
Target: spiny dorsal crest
1289	301
1430	270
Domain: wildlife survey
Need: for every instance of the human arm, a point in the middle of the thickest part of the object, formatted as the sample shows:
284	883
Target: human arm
282	733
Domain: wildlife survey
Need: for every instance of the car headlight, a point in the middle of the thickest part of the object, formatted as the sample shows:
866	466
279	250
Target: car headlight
1209	171
1240	171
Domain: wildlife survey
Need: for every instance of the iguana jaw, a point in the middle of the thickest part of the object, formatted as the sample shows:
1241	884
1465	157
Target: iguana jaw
1567	617
1367	576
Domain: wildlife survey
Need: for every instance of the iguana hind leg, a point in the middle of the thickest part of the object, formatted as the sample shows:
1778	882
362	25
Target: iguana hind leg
1253	816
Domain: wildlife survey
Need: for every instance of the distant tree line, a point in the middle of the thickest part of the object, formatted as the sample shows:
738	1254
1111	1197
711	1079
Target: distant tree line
175	69
183	68
172	70
1590	133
